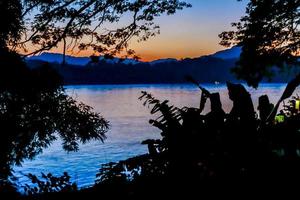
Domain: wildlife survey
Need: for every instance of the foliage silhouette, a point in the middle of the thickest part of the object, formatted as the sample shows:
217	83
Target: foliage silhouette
264	107
12	24
74	21
34	109
268	35
50	184
290	88
215	150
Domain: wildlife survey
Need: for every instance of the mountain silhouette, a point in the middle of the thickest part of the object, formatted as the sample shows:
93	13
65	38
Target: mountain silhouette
232	53
206	69
73	60
166	60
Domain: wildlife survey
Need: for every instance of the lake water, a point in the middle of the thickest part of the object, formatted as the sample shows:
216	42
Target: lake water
129	126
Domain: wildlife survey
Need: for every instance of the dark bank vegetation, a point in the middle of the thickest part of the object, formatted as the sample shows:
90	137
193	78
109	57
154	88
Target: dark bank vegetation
207	69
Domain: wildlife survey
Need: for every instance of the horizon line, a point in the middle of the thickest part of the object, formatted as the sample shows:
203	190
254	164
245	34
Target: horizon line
140	60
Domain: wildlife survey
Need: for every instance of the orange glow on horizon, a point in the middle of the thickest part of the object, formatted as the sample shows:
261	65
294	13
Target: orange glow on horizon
144	56
148	54
159	48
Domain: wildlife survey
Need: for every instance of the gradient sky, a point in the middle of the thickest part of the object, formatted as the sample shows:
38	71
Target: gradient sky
192	32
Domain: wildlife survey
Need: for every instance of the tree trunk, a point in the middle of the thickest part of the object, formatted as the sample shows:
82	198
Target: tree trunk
64	52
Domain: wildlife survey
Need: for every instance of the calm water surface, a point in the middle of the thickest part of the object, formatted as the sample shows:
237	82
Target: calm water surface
129	126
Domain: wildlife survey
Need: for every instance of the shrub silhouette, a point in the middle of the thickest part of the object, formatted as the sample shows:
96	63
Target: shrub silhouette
205	150
49	184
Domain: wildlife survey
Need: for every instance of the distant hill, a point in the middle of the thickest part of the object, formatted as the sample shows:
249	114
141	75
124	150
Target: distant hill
205	69
73	60
167	60
57	58
232	53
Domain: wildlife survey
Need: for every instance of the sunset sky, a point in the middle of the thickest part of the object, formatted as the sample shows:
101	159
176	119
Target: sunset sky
192	32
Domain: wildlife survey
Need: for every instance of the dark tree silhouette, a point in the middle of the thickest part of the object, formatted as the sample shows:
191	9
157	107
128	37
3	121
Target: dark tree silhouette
68	21
49	184
34	109
12	24
269	35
